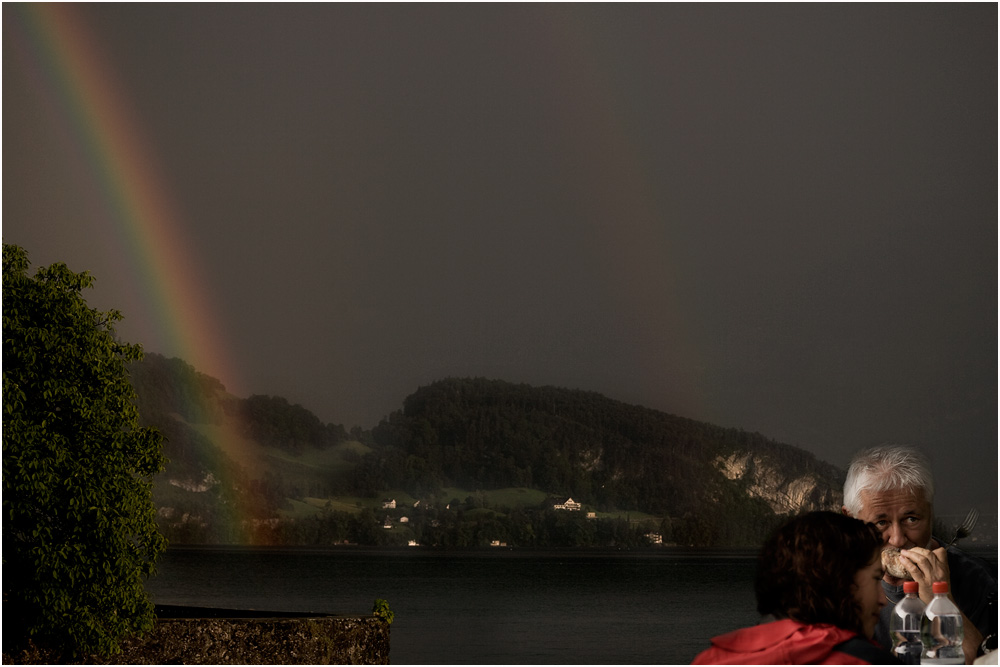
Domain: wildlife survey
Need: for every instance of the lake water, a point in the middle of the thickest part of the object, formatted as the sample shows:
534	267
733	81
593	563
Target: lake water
488	607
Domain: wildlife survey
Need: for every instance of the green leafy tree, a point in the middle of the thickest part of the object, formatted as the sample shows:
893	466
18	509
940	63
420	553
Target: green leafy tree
381	610
79	532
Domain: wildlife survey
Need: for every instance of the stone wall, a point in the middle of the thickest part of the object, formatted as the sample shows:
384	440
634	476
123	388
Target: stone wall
229	637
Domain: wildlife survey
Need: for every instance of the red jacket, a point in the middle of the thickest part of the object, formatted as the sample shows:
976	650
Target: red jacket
789	642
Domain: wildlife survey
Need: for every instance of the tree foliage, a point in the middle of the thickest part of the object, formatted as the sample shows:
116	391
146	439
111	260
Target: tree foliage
172	386
488	434
272	420
168	387
79	532
705	484
211	494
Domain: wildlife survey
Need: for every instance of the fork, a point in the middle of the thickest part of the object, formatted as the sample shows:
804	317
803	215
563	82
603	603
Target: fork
965	528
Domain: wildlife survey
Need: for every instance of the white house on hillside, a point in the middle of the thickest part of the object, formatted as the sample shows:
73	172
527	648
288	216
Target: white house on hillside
568	504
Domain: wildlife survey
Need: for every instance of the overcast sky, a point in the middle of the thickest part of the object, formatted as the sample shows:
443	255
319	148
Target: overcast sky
781	218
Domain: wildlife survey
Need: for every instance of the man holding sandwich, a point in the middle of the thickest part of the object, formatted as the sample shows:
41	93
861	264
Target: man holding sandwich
892	487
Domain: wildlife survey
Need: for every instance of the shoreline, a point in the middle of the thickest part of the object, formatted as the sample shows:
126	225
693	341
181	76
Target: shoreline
987	553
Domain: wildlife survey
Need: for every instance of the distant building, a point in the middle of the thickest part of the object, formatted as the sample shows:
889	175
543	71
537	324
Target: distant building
591	515
654	538
404	519
389	504
568	504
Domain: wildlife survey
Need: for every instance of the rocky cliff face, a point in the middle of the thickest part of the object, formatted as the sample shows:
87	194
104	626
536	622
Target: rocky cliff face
786	494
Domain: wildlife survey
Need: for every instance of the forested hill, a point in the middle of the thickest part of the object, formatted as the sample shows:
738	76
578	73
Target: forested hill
242	466
477	433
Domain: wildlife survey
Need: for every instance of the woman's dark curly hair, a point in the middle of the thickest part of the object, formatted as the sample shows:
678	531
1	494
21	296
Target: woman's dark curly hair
806	569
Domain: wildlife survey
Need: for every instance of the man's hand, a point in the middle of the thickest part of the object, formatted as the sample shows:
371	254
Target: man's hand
926	567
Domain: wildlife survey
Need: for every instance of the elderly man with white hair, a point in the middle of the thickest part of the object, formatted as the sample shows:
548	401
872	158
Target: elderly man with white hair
892	487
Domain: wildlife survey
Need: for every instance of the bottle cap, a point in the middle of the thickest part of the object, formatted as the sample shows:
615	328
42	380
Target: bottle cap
911	587
940	587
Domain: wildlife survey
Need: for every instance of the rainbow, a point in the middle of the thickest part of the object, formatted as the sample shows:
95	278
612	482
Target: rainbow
635	258
54	41
82	87
632	255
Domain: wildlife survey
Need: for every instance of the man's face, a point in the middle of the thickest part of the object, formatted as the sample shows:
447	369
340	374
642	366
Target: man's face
903	515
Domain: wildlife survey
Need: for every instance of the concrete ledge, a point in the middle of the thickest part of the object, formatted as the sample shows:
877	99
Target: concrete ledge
219	637
196	636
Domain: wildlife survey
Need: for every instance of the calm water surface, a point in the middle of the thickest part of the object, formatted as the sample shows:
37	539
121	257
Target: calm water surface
488	607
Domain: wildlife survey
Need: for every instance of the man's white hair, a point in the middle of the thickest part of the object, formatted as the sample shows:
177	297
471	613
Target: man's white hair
886	468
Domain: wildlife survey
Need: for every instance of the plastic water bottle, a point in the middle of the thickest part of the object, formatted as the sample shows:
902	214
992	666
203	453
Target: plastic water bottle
904	625
941	630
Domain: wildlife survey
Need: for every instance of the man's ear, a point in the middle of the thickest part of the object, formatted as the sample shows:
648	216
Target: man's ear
843	509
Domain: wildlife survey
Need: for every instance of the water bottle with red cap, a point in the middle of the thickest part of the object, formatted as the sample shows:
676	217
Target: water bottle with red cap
941	630
904	625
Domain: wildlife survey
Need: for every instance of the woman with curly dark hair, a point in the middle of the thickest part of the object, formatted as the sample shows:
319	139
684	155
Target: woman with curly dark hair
818	587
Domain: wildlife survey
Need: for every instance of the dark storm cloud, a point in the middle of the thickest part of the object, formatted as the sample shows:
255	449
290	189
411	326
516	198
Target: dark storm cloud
779	217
